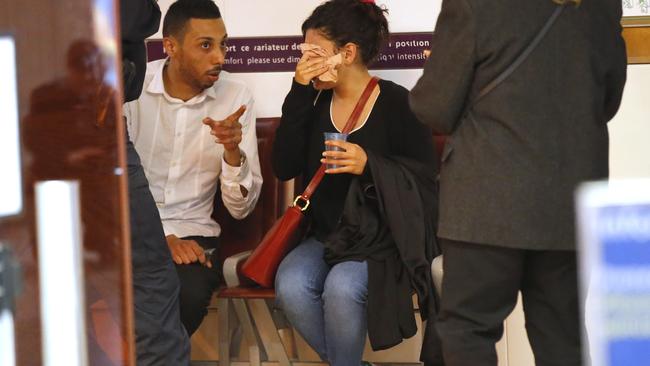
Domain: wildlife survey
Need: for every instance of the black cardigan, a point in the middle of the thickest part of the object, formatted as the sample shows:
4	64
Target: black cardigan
391	223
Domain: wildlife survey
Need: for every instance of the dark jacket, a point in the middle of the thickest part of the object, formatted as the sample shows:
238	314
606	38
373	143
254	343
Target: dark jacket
390	223
138	20
513	161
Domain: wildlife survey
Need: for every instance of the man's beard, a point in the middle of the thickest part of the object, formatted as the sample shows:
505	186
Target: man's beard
196	82
215	71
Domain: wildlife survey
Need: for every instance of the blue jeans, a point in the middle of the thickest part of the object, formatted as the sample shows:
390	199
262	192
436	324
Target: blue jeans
327	305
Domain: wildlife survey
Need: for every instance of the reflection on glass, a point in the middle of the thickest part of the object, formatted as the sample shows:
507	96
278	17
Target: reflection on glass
105	36
70	134
68	108
10	186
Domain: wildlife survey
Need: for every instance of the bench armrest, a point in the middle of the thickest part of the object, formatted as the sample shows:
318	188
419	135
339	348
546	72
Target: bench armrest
231	268
436	273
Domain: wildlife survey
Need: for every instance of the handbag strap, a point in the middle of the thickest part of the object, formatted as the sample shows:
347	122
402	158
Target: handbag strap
349	125
521	58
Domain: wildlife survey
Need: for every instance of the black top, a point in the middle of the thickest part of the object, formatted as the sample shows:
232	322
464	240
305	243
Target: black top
390	130
139	19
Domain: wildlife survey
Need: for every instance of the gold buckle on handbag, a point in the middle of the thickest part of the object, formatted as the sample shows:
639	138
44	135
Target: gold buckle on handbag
301	199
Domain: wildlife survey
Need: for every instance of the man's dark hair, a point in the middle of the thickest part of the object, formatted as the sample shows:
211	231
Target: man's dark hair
345	21
180	12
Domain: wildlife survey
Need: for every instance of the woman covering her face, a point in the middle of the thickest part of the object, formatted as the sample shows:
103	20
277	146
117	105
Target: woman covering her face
372	217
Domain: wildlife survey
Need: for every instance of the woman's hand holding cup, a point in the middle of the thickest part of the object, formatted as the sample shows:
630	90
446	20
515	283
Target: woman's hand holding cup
349	158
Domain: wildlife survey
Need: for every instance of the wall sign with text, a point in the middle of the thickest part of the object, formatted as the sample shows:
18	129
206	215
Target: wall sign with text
280	54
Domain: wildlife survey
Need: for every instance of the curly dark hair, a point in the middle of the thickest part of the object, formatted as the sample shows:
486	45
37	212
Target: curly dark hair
351	21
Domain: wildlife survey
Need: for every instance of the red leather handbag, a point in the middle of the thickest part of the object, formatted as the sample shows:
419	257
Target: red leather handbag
285	234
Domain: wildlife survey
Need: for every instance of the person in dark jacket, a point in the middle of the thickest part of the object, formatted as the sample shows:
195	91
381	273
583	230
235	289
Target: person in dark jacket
512	162
160	337
326	299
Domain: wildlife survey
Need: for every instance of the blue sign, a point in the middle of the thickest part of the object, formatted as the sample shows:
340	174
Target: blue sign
614	225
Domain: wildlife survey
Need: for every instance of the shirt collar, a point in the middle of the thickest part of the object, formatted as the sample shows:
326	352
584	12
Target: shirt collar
157	86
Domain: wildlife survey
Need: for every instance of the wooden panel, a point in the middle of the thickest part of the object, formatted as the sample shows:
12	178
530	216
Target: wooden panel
70	129
637	40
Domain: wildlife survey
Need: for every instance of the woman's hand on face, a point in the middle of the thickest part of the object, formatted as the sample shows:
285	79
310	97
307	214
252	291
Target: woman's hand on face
353	160
309	67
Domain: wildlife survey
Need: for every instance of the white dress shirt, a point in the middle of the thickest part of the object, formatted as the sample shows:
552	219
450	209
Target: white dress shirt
181	159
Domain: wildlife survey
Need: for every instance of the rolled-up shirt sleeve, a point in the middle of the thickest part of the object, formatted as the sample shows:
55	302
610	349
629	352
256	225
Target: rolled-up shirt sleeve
248	175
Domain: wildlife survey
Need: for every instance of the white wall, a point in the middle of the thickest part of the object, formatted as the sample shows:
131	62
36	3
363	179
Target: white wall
630	129
245	18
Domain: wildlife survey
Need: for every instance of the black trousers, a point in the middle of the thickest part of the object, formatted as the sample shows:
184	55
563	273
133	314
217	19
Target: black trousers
198	282
159	335
479	290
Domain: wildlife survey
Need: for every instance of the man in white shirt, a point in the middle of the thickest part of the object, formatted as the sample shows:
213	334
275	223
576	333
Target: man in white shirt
192	132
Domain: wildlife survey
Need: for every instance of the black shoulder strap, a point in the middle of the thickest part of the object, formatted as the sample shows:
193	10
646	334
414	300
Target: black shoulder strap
522	57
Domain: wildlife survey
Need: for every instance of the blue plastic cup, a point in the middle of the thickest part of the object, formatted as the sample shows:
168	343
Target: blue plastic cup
334	136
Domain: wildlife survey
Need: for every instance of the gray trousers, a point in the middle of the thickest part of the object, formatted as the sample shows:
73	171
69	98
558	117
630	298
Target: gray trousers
159	335
479	290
